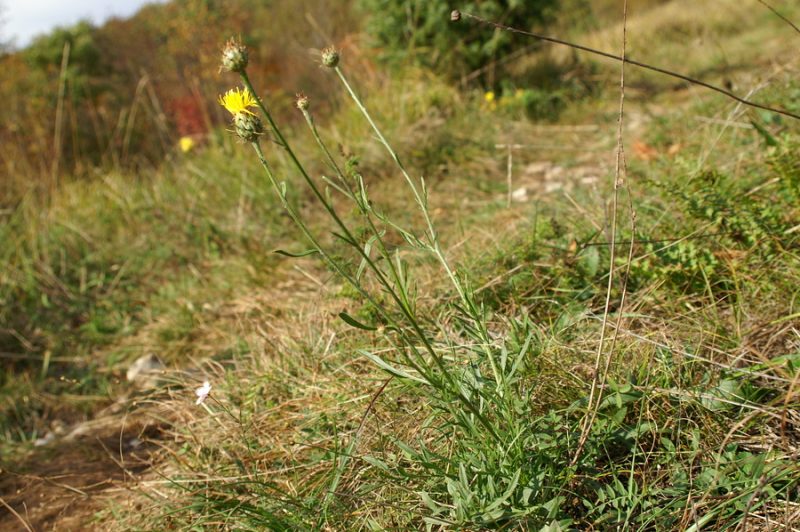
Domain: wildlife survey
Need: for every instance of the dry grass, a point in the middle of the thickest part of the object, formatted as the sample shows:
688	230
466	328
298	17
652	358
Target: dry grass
291	388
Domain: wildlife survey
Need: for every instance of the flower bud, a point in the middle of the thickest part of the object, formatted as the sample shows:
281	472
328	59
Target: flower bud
302	102
248	126
234	56
330	57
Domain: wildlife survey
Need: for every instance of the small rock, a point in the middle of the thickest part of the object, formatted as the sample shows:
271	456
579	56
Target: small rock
521	194
554	172
537	169
555	186
41	442
145	371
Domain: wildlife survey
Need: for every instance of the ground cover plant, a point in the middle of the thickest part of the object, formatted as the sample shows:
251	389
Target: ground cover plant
596	330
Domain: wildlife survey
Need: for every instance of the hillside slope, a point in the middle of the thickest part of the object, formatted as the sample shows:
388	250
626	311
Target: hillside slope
319	418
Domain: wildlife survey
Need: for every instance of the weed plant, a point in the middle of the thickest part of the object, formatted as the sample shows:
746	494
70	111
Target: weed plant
444	384
673	444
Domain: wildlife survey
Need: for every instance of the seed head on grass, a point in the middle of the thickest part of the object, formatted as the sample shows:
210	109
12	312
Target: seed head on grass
238	103
301	101
234	56
330	57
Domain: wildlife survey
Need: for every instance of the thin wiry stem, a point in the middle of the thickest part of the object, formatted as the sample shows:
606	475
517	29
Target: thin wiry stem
780	16
381	246
629	61
434	245
599	377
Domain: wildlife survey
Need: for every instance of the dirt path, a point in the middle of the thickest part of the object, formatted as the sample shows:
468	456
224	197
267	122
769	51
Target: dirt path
62	485
99	464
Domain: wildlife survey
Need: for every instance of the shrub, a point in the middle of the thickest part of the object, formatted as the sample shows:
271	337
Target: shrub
421	30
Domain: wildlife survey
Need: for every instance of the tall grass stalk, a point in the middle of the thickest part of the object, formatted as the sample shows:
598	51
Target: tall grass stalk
407	342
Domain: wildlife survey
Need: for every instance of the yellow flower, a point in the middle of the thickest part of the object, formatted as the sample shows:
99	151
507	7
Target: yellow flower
186	144
489	97
238	101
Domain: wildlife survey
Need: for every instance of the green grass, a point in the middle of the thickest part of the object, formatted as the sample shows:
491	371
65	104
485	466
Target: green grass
120	259
436	402
690	412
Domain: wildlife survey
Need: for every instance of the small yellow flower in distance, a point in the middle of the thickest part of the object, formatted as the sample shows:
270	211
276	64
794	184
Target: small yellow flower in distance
186	144
489	97
519	93
238	101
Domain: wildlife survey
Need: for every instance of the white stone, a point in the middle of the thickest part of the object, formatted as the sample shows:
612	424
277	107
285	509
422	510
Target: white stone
145	370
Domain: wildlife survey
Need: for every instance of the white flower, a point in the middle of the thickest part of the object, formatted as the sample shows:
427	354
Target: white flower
202	392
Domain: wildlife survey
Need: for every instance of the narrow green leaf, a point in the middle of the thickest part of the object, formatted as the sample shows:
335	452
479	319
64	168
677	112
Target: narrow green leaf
397	372
347	318
769	139
296	255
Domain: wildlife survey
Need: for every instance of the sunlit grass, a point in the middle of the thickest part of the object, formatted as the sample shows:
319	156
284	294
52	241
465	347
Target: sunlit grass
429	364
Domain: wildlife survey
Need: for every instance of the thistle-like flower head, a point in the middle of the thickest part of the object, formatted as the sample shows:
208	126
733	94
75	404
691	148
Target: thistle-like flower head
234	56
330	57
248	126
238	101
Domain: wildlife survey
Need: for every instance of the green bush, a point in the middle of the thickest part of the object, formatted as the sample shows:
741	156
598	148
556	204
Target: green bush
421	30
84	59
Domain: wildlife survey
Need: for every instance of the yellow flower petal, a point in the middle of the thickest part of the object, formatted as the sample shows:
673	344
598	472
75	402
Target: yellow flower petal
238	101
186	144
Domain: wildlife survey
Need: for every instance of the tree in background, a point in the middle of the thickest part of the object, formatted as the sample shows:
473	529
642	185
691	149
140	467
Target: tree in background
132	87
421	30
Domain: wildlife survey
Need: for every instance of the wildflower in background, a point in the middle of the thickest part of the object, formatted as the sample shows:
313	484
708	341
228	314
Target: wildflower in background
234	56
489	97
202	392
186	144
238	103
330	57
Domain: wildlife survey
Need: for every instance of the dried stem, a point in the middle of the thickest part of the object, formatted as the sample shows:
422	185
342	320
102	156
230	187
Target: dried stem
599	377
627	60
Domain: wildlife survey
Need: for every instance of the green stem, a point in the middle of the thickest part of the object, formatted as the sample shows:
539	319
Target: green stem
355	284
433	235
381	245
332	212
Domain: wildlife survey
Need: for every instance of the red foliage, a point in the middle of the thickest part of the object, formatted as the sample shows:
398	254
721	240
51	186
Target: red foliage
186	113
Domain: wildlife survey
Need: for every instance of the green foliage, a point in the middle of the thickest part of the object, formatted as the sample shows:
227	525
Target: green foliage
422	30
549	262
99	264
486	367
731	226
84	57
